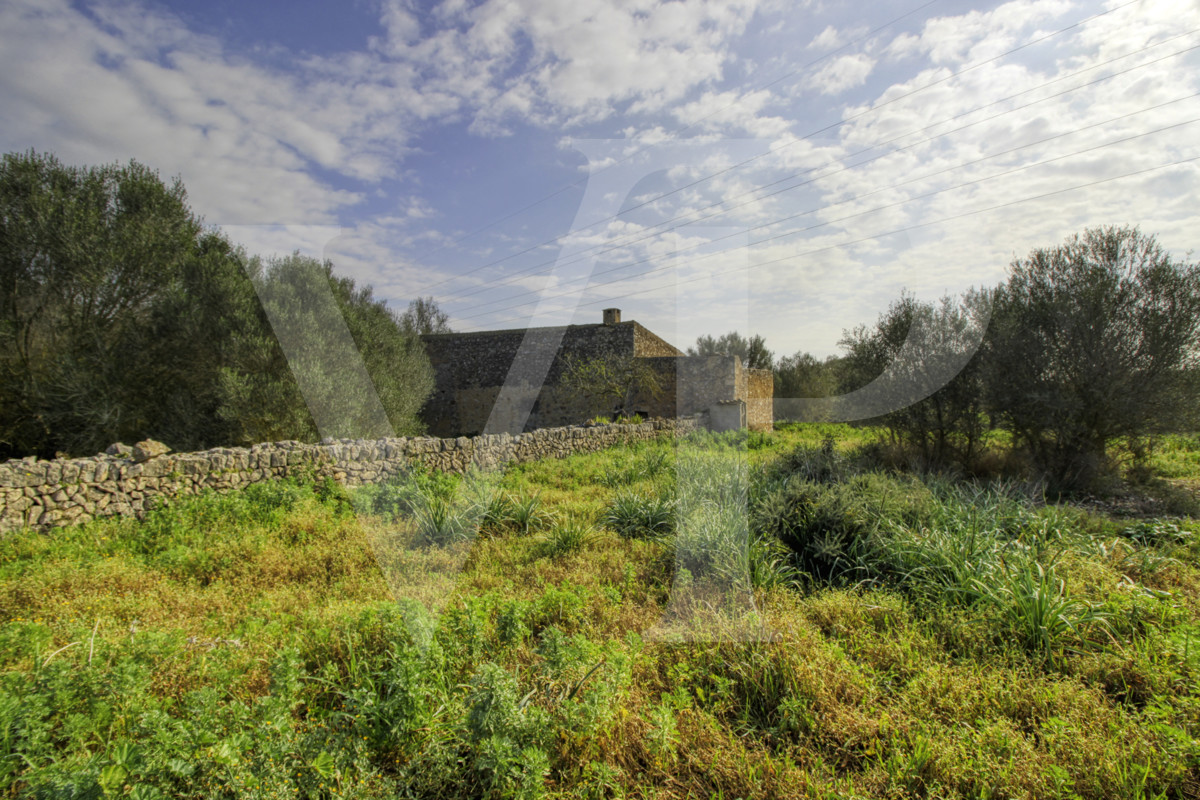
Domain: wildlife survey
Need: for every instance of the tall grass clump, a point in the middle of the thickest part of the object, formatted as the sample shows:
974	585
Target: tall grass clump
958	541
836	529
1046	618
519	514
443	521
401	496
649	462
567	536
635	516
716	541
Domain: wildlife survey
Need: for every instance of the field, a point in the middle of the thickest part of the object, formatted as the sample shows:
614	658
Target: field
771	615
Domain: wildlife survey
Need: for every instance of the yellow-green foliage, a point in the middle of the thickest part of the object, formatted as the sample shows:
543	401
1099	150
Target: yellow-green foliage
300	640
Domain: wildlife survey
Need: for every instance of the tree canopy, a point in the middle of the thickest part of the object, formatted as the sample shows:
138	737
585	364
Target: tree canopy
424	317
753	351
1092	341
122	317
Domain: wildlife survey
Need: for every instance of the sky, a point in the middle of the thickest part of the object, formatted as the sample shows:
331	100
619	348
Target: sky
779	168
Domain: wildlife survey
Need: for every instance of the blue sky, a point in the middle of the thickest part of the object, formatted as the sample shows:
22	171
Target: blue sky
782	168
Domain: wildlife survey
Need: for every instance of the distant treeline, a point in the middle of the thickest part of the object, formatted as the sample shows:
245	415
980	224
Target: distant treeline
1087	344
122	317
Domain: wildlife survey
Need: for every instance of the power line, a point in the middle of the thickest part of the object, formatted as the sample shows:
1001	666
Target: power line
825	129
630	239
867	238
867	194
906	229
643	149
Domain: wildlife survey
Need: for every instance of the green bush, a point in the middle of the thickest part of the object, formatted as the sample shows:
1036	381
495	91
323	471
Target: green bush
634	516
567	536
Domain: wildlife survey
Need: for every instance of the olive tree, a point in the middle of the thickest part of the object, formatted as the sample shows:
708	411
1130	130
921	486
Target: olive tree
804	375
753	351
114	306
924	343
424	317
122	317
619	380
347	366
1093	342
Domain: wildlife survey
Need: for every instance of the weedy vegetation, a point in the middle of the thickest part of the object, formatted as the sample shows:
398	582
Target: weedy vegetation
777	614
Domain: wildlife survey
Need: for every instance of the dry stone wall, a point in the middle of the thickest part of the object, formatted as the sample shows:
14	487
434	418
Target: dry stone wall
47	494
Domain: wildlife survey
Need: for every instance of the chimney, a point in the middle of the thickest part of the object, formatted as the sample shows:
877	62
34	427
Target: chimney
612	316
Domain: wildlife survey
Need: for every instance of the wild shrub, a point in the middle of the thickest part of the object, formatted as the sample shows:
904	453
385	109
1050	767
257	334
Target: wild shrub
1155	532
835	529
384	700
1044	615
508	735
519	514
567	536
401	496
635	516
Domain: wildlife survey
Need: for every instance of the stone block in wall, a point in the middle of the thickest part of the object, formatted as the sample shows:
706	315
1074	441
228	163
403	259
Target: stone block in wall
105	486
158	467
192	466
27	472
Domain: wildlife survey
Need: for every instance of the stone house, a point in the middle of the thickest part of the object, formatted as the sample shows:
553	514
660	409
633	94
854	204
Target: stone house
511	380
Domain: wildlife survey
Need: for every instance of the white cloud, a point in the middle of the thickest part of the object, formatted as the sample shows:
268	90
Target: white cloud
303	143
121	81
827	39
172	101
978	34
577	62
902	46
732	112
844	72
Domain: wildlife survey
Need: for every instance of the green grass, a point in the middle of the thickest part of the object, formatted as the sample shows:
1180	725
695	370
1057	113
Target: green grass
763	615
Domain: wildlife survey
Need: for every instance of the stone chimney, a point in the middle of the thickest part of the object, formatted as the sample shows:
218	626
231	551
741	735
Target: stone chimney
612	316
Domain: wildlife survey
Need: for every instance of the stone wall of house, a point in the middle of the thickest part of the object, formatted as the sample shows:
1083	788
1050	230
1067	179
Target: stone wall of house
693	384
46	494
649	345
760	399
471	368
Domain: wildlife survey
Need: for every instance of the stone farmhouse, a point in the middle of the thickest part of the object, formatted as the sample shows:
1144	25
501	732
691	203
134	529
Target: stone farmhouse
511	381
